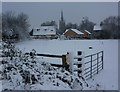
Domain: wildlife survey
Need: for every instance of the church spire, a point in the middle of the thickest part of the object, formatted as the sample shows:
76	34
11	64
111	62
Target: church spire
62	15
61	24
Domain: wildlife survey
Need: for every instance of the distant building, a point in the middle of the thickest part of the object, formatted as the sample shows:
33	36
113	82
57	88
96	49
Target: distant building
87	34
61	24
97	31
31	32
44	31
73	33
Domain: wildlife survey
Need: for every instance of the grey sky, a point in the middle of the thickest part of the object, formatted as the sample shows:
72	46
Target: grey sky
39	12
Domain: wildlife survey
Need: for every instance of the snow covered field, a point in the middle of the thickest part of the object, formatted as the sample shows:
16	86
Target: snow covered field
107	79
60	47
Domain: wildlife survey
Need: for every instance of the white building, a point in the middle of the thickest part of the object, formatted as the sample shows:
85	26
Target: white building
47	31
97	30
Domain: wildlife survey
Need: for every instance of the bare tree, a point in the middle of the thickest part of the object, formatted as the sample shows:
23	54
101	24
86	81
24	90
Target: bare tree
22	26
110	25
8	21
86	24
118	27
0	26
70	25
49	23
15	26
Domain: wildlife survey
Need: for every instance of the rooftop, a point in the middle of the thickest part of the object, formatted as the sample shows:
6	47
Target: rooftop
87	31
75	30
97	28
45	30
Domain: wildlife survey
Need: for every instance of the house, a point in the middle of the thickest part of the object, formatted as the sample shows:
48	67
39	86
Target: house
97	31
31	32
87	34
73	33
43	31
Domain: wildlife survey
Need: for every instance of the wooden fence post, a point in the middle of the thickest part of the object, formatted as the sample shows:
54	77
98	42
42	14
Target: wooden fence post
64	61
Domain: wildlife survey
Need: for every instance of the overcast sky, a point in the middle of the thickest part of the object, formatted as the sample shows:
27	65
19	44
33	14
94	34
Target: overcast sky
39	12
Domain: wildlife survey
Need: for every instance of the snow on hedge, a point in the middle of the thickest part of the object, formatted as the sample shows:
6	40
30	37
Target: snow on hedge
23	72
107	78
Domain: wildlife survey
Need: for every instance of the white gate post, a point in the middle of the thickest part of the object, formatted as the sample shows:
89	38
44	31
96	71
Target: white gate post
71	60
79	63
76	63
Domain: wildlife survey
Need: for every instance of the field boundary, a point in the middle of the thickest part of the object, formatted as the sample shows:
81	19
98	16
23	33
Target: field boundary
93	68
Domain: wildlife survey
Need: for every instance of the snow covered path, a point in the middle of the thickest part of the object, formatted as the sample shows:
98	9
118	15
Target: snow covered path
107	79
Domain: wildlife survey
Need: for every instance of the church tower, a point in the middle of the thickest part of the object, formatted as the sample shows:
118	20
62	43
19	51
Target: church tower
61	24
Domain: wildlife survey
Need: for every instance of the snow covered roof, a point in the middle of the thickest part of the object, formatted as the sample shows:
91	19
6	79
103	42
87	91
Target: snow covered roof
87	31
45	30
75	30
97	28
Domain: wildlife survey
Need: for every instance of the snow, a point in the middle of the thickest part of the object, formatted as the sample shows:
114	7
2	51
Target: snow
97	28
45	30
0	85
75	30
107	78
24	72
87	32
59	47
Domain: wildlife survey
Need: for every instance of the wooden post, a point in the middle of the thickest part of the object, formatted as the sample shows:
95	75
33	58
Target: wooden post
64	61
91	68
97	61
102	59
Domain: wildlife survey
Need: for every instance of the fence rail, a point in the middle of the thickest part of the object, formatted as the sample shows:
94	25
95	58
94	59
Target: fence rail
63	57
93	66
